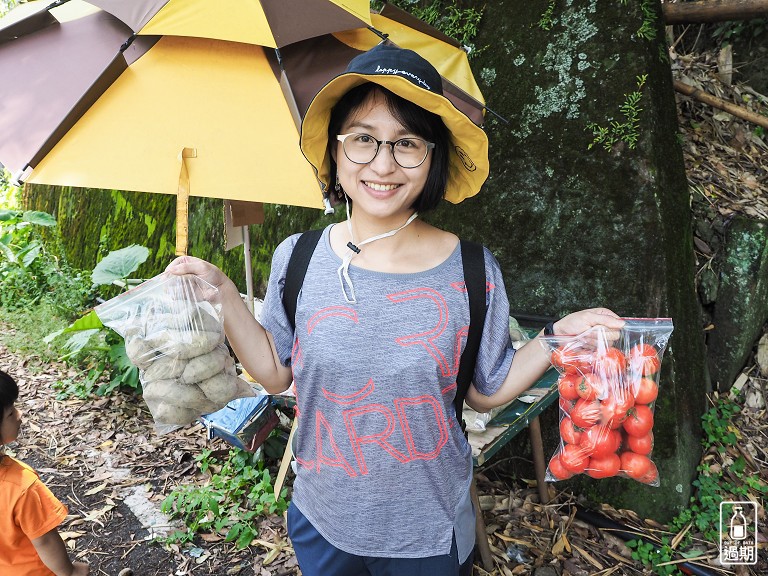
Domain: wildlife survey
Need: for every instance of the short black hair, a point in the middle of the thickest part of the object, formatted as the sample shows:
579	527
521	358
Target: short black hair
423	123
9	393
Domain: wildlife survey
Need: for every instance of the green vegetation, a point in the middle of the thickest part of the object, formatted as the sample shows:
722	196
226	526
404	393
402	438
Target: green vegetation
237	492
627	131
547	21
721	477
40	296
447	16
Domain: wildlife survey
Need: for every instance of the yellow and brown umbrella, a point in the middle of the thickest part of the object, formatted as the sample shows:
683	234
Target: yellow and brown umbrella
91	99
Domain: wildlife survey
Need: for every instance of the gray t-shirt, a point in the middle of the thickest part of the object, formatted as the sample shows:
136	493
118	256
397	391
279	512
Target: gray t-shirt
383	466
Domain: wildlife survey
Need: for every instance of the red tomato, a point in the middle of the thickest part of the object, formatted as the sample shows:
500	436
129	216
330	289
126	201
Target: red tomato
610	364
590	387
567	405
651	476
604	466
568	384
557	469
600	441
639	421
615	408
568	432
573	458
646	390
635	465
641	444
570	358
585	413
644	360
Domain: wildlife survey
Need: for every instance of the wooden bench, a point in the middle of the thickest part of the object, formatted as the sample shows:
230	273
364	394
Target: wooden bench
520	414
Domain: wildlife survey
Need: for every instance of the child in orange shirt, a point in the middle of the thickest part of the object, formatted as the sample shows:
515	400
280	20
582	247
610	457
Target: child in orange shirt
30	544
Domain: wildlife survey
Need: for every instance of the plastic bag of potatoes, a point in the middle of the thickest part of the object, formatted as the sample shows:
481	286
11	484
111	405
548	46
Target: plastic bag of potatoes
174	333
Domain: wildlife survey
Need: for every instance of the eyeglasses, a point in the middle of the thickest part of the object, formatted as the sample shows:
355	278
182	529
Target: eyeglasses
362	149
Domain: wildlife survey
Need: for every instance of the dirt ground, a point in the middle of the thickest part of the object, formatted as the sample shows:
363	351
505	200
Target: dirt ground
99	454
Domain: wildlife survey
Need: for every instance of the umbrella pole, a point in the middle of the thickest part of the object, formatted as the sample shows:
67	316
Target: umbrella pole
182	203
248	270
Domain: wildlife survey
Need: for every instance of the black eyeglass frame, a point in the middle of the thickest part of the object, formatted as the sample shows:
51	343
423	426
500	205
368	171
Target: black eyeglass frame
342	137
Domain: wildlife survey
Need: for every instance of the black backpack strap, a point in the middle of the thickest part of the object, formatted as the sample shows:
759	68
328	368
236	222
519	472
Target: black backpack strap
297	269
473	261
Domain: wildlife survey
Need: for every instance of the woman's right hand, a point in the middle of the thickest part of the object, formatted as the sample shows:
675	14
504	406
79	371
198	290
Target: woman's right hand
200	268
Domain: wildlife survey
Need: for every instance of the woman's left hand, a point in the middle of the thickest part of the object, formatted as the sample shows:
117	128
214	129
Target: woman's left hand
583	320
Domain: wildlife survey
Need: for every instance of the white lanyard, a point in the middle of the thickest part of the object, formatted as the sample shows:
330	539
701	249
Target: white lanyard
354	249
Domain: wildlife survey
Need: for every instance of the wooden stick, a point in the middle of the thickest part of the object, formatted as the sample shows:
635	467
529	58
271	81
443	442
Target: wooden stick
700	11
716	102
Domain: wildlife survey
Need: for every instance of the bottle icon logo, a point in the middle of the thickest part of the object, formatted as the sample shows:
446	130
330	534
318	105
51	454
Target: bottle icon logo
738	525
738	532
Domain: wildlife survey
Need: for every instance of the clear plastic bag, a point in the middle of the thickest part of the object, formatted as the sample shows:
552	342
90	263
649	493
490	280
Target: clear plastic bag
174	334
608	388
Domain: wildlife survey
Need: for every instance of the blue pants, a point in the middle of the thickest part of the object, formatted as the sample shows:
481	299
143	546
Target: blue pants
318	557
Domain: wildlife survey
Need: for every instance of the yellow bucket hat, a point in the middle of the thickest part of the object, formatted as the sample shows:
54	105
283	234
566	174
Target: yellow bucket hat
405	73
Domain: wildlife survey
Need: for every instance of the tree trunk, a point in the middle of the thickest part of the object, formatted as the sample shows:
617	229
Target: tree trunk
575	227
713	11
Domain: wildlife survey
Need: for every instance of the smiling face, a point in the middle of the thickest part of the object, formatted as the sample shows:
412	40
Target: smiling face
10	424
381	189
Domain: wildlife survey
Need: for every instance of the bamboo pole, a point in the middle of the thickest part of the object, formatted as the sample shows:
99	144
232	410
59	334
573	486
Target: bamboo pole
716	102
701	11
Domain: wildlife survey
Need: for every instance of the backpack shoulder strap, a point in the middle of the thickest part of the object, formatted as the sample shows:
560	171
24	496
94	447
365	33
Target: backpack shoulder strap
297	269
473	261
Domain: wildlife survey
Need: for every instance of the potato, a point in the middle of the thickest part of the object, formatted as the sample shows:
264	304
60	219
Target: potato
184	344
165	413
140	352
163	368
179	394
220	388
203	367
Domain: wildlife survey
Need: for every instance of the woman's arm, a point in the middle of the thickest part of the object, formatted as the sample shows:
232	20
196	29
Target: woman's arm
532	360
52	551
252	344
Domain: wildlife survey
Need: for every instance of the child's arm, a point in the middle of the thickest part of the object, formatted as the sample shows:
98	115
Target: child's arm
52	551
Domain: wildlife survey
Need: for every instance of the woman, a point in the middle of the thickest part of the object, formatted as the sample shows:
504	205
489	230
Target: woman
384	469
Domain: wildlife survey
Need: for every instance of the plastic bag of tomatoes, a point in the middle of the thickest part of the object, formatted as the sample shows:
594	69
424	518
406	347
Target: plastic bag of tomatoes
608	388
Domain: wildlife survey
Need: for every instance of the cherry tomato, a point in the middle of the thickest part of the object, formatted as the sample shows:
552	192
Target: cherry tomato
573	458
590	387
567	405
646	390
610	364
568	432
557	469
615	408
641	444
639	421
586	413
635	465
568	384
570	358
651	476
644	360
604	466
600	441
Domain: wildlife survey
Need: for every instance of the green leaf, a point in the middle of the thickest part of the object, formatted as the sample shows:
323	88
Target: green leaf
6	215
119	264
30	253
39	218
88	322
